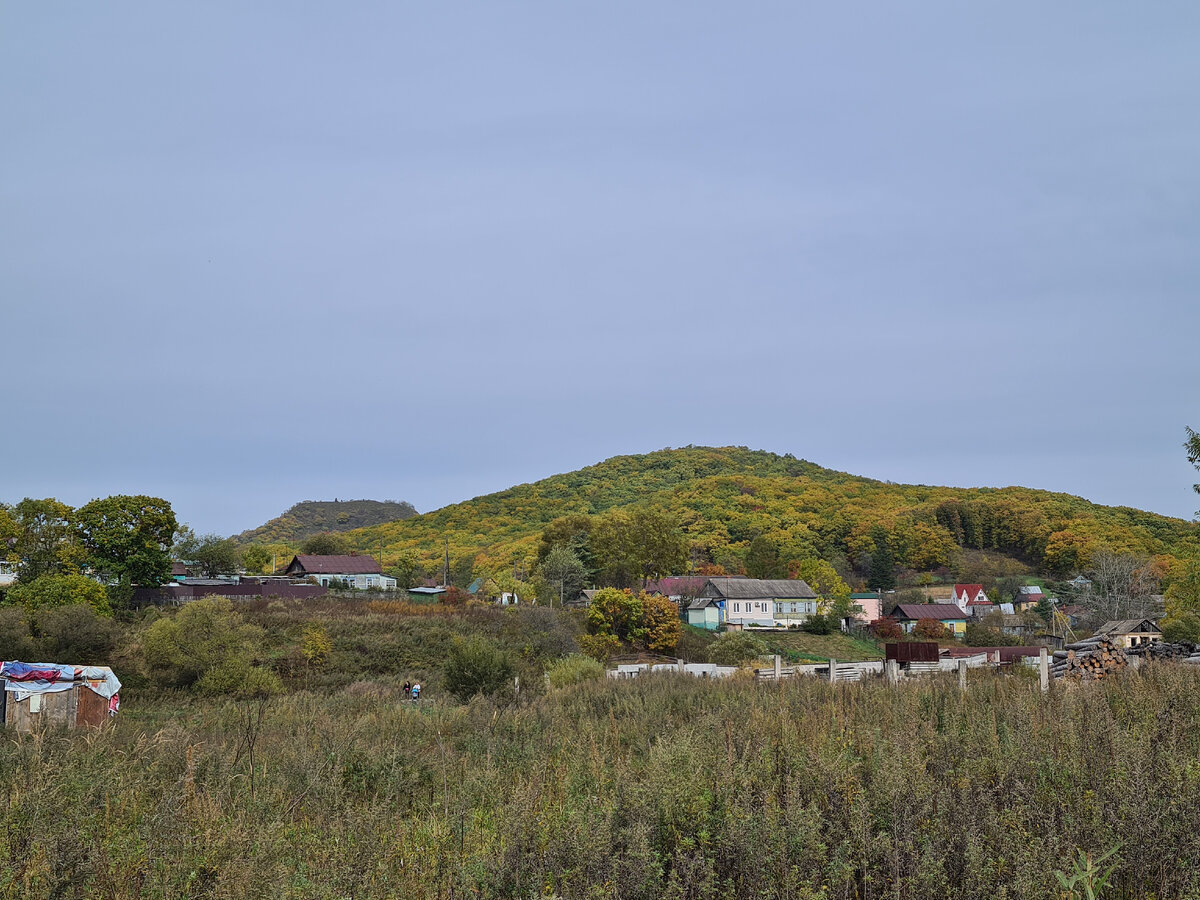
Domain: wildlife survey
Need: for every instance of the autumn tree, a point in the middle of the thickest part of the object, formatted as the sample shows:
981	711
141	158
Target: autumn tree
616	612
127	537
660	622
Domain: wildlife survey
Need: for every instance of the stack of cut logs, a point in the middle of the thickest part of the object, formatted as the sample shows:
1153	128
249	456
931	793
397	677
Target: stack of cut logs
1095	658
1182	651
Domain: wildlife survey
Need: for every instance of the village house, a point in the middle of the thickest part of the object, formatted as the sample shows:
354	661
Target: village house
1028	597
359	572
964	594
870	604
907	615
760	602
1127	633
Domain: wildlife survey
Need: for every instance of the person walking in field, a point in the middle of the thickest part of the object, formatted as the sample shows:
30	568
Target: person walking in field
407	690
416	692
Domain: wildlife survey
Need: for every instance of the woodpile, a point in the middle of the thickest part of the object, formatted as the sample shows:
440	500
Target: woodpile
1180	651
1089	660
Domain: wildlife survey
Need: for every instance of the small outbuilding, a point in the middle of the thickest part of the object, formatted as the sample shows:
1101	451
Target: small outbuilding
39	695
1127	633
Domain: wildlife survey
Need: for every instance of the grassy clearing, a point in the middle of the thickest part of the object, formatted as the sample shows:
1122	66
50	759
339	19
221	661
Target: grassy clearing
659	787
798	646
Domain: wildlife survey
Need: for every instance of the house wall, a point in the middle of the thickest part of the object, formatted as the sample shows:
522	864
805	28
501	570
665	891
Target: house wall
750	612
789	612
870	610
709	618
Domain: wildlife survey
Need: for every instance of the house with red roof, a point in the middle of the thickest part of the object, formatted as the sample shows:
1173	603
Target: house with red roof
965	594
361	572
907	615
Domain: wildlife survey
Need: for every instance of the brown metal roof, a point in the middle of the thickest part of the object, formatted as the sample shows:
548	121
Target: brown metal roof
940	611
333	565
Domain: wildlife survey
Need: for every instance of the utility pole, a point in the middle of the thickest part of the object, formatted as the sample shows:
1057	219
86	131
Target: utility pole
446	566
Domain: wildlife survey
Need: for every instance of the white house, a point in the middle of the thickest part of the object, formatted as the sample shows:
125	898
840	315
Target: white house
760	602
360	572
8	573
966	594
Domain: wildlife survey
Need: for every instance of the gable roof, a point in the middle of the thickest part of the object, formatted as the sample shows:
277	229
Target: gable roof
1031	589
970	591
1129	626
738	588
333	565
940	611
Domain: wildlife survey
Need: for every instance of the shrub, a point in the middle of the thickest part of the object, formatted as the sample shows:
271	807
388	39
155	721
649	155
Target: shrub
60	590
887	629
208	645
599	646
15	640
736	647
476	666
74	634
820	623
930	630
574	669
983	636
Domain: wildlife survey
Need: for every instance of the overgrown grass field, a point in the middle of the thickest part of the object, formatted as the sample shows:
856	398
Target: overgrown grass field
661	787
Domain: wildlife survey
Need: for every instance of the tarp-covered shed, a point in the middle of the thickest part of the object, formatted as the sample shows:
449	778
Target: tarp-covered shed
37	695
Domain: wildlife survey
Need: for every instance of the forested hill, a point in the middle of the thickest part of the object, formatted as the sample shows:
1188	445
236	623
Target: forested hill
314	516
723	498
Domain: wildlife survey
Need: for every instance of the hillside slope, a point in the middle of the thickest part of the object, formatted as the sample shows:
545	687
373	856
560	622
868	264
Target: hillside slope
314	516
724	497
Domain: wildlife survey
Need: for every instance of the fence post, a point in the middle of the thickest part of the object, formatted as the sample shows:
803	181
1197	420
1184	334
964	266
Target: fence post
833	671
892	670
1044	669
680	665
962	674
778	667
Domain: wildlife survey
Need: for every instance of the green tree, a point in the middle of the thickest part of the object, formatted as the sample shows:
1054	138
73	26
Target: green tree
476	666
215	555
326	543
1192	446
209	647
762	559
575	532
127	538
882	574
53	590
255	558
637	543
44	543
406	569
1182	601
562	568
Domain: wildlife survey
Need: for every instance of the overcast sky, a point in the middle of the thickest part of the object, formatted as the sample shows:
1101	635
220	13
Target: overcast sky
257	253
